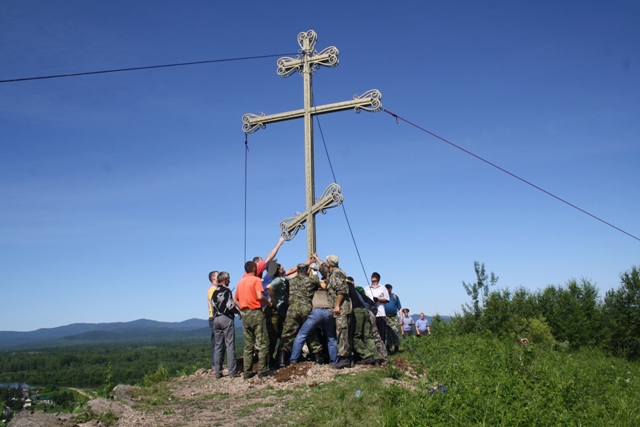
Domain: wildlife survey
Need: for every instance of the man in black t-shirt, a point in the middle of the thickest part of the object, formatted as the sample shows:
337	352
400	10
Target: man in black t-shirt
223	326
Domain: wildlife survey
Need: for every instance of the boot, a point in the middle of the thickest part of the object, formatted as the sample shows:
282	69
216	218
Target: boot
343	362
283	359
318	359
367	361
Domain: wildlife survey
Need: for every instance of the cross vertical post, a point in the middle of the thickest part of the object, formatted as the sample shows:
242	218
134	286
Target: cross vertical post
309	170
306	63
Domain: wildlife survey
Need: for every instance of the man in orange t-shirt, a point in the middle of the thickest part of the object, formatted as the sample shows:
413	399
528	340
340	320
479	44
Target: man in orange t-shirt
249	298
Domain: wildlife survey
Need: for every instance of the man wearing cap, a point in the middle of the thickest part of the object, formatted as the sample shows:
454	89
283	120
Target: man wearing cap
338	295
391	309
407	323
301	289
249	298
278	292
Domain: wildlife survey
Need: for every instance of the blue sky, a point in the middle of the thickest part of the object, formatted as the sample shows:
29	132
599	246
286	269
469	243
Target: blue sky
120	192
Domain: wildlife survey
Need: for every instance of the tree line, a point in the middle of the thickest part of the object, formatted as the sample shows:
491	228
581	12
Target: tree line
91	366
572	315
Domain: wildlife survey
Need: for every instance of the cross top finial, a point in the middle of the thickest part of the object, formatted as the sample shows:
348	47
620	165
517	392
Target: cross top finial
307	42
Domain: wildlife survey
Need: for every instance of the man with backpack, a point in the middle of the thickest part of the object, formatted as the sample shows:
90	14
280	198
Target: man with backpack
224	326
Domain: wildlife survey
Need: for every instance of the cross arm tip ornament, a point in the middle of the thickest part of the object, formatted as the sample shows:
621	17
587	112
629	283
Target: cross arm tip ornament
374	101
251	122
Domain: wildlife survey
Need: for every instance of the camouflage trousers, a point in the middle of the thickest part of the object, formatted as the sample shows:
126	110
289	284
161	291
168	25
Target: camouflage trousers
343	323
363	343
274	328
254	327
296	316
394	331
382	349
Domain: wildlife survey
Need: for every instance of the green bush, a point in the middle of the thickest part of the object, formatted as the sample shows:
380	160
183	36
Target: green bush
161	374
536	331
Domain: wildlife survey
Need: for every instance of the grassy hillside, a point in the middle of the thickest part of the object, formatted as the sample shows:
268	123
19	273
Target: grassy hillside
470	380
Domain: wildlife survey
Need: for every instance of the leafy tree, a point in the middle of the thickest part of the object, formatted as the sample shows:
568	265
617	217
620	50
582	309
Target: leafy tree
622	316
477	290
573	312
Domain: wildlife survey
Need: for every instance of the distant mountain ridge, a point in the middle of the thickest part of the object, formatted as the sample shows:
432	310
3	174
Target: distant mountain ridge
141	331
92	333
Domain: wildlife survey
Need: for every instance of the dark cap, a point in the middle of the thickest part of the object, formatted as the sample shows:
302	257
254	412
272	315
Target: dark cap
272	267
350	279
303	267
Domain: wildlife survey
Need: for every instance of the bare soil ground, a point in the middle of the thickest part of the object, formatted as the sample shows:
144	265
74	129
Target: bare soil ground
203	400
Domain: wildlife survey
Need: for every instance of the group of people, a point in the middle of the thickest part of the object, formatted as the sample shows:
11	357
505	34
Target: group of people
314	303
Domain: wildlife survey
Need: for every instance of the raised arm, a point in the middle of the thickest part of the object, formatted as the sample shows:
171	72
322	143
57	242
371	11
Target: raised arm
274	251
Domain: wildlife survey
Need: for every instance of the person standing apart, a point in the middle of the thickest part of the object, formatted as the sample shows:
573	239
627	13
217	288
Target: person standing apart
422	326
224	326
249	299
407	323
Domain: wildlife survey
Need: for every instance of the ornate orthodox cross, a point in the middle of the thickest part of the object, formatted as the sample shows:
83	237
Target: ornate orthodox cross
306	63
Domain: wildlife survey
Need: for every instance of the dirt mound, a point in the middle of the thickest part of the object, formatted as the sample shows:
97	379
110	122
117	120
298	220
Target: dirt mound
293	371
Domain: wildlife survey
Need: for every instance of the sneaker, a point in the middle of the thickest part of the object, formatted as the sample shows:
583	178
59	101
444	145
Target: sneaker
248	375
367	361
234	375
218	375
381	362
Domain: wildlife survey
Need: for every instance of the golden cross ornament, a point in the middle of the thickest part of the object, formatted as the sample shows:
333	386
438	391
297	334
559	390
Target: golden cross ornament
306	63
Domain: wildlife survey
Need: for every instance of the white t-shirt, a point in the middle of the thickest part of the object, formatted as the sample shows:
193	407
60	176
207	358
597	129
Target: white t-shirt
378	292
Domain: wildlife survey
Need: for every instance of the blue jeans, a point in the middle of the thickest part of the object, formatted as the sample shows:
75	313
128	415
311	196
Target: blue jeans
318	318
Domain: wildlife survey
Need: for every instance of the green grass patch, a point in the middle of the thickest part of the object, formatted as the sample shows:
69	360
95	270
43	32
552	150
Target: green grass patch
484	382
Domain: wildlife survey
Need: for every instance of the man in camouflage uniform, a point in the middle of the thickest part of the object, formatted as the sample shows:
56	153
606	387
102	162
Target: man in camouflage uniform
338	296
301	290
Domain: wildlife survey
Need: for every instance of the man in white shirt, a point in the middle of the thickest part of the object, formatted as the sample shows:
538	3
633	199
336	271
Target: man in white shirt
379	295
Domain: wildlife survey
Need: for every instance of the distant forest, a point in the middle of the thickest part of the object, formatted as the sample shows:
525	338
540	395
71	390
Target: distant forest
92	366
